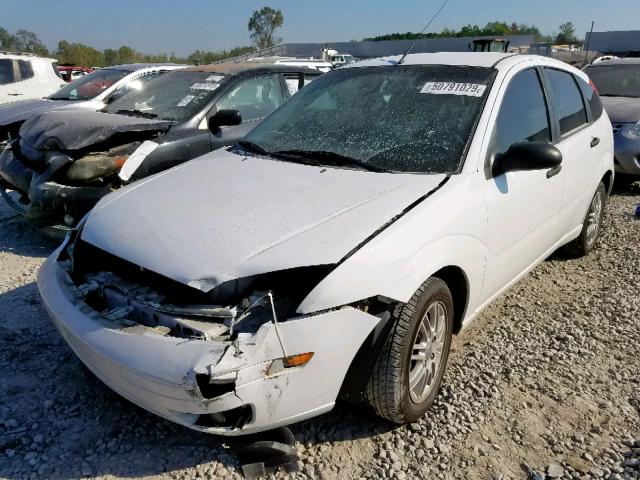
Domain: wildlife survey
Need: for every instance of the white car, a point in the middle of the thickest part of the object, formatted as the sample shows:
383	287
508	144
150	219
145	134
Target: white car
23	75
89	92
339	247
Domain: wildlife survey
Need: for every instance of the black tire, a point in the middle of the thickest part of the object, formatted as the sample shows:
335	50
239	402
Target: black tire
388	388
582	245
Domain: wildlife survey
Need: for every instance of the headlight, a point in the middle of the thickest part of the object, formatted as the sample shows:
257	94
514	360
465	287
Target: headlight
635	130
95	166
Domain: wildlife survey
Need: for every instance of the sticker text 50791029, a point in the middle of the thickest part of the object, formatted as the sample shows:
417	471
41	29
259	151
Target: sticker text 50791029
454	88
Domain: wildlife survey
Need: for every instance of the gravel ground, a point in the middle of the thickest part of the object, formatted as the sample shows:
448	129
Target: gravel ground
546	382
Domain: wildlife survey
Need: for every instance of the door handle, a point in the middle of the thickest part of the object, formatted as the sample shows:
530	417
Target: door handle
595	141
554	171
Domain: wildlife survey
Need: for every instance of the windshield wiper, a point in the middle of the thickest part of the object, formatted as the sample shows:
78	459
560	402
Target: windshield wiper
321	157
617	95
252	147
137	113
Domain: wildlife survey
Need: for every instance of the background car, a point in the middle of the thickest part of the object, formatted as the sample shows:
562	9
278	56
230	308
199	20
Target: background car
338	248
71	73
63	162
23	76
618	82
91	92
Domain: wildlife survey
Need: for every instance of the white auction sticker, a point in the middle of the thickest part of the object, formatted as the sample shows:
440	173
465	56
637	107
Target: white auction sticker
454	88
185	101
205	86
214	78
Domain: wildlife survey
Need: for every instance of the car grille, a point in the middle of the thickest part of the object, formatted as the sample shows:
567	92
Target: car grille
617	128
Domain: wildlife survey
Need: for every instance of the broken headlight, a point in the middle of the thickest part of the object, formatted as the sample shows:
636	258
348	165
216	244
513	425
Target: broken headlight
92	167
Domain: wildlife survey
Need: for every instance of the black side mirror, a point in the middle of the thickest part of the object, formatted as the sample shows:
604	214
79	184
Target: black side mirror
115	96
527	156
224	118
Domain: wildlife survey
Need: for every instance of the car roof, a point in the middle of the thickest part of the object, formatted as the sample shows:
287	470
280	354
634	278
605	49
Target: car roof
24	56
233	68
617	61
499	61
132	67
471	59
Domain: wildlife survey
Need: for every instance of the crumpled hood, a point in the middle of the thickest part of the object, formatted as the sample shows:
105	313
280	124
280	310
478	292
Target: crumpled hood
622	109
223	216
19	111
75	129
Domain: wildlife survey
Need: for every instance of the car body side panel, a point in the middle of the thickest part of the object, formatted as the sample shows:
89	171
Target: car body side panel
446	229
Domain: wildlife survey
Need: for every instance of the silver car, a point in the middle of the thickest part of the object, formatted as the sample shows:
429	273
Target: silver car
618	82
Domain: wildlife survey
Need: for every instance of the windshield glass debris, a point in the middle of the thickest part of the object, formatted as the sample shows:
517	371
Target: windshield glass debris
176	96
405	118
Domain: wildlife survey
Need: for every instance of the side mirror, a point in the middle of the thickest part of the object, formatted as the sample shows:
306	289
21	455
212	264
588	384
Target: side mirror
224	118
527	156
114	96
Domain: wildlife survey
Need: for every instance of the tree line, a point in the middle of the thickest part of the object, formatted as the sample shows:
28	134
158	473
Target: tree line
492	29
75	53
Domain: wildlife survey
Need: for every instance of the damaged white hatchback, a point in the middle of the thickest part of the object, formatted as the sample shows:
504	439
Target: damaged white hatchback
337	249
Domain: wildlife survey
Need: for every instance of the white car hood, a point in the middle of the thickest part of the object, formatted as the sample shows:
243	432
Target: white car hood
224	216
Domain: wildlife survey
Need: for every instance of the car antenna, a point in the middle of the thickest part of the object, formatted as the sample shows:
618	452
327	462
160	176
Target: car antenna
422	32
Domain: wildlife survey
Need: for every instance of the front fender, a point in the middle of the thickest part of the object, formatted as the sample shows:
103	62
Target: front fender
399	278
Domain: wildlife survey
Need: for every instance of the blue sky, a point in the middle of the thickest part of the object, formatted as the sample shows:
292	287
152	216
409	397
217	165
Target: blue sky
162	26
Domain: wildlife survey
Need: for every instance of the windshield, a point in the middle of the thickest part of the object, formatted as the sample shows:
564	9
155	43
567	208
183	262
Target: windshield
616	80
88	86
409	118
175	96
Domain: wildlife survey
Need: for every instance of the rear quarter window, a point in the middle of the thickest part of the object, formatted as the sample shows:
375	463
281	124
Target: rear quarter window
593	99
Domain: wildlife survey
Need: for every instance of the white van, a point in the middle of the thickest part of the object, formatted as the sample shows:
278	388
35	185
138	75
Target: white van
24	76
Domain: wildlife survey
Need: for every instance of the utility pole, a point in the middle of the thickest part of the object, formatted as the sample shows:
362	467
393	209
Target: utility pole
586	47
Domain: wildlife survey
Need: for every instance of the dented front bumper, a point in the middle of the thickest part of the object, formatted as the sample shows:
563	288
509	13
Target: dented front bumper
47	202
163	374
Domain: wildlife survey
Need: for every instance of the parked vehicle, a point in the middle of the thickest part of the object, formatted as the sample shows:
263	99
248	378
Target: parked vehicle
336	58
338	248
23	75
63	162
618	81
91	92
313	63
71	73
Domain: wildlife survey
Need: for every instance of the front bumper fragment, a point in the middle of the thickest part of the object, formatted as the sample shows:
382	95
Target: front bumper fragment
47	201
627	151
160	373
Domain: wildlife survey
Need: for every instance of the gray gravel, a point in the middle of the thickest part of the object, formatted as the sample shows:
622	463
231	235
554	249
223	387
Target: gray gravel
546	381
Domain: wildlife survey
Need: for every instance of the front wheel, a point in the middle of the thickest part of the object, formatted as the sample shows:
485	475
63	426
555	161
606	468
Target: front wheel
409	370
592	225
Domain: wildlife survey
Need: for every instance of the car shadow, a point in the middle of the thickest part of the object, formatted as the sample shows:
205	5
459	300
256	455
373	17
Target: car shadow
59	421
21	238
626	186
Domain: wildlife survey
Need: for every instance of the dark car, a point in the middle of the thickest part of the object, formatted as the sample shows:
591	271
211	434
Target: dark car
63	162
92	91
618	82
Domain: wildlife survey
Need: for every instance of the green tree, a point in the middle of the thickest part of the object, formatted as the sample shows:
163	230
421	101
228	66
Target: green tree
567	34
110	56
79	54
26	41
262	25
126	55
7	41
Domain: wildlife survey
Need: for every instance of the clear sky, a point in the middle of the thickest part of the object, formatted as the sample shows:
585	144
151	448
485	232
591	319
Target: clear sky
163	26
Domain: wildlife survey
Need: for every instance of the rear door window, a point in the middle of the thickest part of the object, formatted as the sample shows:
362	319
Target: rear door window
523	116
567	100
254	98
26	69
